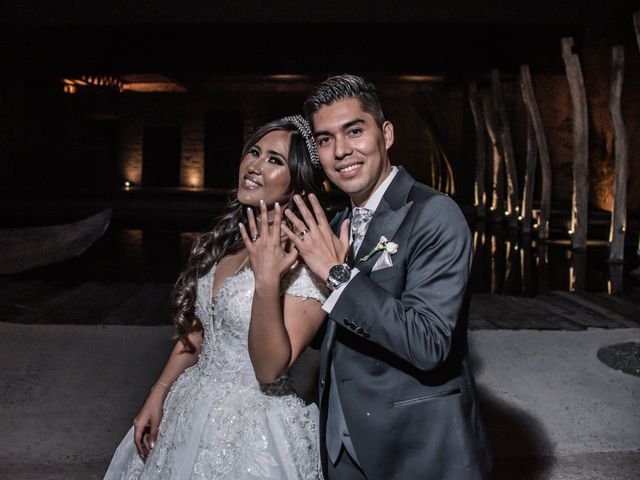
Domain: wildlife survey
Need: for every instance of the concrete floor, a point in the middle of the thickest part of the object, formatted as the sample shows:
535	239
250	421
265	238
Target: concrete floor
69	393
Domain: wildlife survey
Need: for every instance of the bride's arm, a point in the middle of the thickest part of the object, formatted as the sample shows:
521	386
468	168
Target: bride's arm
148	419
279	330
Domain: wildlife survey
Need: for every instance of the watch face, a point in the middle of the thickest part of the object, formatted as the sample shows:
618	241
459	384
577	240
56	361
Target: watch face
340	273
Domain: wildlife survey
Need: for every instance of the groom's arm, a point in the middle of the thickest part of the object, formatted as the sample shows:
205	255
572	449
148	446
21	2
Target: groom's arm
419	325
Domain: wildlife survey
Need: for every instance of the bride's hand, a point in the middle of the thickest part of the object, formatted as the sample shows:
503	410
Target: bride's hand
146	423
268	258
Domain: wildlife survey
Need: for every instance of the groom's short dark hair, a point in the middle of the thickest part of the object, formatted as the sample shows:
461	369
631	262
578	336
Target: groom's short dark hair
342	87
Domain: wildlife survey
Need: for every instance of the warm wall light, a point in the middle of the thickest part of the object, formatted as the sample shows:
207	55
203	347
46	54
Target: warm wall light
194	178
132	169
104	81
153	87
421	78
286	77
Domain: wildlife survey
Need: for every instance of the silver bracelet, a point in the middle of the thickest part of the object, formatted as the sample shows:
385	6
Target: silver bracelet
159	383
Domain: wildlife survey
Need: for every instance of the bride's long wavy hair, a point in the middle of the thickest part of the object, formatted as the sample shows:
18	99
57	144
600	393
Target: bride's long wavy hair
224	238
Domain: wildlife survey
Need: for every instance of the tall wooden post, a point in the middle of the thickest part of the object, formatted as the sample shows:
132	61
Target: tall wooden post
578	271
526	266
619	212
615	284
497	173
636	26
529	178
580	200
480	194
504	131
531	103
542	266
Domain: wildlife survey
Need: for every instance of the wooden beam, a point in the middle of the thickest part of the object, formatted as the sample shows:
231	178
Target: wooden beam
526	212
507	150
497	174
578	271
533	110
480	194
526	266
636	26
580	199
542	268
621	169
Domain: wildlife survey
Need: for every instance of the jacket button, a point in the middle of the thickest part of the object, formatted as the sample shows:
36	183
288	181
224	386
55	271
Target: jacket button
359	330
322	383
346	322
353	326
365	335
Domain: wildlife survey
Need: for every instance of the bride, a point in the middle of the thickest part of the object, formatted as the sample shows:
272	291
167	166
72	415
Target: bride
223	407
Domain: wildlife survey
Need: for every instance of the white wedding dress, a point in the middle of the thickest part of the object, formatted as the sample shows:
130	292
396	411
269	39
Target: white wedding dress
218	422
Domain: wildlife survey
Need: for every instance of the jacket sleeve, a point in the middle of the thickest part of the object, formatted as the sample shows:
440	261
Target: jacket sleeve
419	325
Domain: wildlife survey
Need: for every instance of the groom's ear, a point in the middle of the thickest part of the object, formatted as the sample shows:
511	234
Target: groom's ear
387	131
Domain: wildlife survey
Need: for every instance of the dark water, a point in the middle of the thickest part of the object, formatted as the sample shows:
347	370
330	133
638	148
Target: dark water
509	263
504	262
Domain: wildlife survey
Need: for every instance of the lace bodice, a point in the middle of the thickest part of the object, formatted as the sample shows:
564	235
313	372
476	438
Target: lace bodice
226	320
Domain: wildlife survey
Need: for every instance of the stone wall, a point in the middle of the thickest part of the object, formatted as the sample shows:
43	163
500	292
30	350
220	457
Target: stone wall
42	132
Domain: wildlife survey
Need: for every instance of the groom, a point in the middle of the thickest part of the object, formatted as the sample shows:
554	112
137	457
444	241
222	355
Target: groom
397	398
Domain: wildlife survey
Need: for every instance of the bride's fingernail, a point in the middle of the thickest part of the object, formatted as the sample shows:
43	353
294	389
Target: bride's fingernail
240	225
153	444
277	205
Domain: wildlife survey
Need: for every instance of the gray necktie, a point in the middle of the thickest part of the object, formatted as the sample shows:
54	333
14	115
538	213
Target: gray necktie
359	222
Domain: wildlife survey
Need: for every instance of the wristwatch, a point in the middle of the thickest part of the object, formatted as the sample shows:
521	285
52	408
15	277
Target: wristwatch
338	276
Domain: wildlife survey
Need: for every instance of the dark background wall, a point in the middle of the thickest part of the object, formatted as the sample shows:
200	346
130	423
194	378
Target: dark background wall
224	55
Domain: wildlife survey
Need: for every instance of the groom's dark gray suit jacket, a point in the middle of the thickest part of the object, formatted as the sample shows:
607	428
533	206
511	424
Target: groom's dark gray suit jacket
397	338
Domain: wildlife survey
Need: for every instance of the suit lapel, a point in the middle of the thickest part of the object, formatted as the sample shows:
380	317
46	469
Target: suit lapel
338	218
385	223
335	224
387	219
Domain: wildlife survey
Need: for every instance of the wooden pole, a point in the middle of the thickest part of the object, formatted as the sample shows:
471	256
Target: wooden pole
542	266
543	151
529	178
526	266
636	26
580	200
615	284
619	212
507	150
578	271
497	173
480	195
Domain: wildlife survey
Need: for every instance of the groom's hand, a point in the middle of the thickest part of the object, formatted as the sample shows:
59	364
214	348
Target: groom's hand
316	243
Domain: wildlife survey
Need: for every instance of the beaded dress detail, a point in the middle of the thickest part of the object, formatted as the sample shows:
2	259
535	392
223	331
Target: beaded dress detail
219	422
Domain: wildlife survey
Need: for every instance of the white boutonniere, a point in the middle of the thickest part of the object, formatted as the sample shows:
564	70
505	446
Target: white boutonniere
390	248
